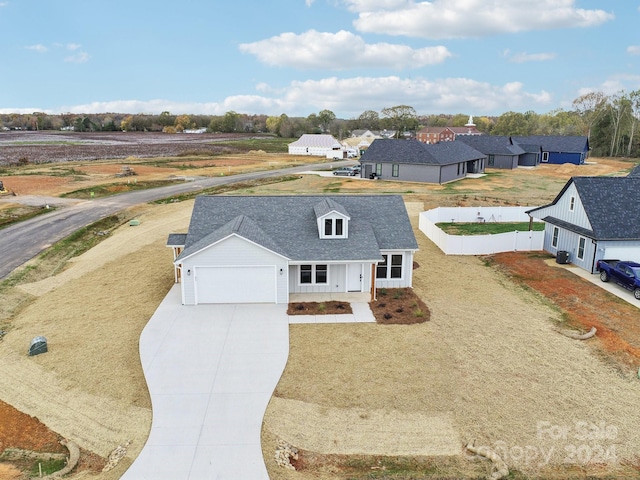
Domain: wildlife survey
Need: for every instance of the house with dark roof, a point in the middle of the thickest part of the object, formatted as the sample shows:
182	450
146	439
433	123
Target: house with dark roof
635	171
260	249
410	160
501	151
593	218
558	148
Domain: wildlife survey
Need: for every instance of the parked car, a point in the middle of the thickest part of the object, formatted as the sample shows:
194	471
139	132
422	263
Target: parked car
347	171
626	274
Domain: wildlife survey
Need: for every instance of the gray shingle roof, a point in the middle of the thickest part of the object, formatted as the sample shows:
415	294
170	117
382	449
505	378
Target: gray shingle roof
635	172
556	143
288	225
492	144
612	205
415	152
176	239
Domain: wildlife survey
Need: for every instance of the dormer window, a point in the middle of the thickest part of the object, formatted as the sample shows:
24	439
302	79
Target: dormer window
334	227
333	219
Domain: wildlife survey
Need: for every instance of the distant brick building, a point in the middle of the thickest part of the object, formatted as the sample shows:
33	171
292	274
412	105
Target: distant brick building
446	134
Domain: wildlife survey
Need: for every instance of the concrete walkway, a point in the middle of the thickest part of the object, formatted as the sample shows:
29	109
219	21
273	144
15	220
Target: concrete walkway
211	371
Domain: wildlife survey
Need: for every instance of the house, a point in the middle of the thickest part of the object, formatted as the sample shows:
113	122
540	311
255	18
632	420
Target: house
558	148
260	249
321	145
414	161
593	218
447	134
501	151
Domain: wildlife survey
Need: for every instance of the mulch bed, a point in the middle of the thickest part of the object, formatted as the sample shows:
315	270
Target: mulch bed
319	308
399	306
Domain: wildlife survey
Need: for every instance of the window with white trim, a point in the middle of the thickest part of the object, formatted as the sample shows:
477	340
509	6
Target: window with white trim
545	156
581	245
395	169
378	169
334	227
314	274
554	238
390	266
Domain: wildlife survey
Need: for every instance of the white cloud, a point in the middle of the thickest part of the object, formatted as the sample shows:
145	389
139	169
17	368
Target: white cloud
73	46
340	51
349	97
613	85
524	57
633	49
4	4
37	48
80	57
439	19
309	2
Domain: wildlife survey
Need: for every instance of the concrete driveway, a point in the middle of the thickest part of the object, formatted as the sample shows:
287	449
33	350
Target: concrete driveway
211	370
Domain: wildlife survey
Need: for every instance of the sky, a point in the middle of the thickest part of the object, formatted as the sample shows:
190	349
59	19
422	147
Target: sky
298	57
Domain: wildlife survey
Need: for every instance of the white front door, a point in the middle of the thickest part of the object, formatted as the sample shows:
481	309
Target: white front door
354	277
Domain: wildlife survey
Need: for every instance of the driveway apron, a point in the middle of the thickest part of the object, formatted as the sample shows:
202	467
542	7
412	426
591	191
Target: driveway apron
210	370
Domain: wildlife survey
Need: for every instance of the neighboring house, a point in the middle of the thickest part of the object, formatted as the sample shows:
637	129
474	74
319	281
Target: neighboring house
259	249
558	148
361	139
531	156
501	151
414	161
321	145
594	218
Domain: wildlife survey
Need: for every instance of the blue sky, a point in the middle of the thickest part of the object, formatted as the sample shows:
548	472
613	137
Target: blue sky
476	57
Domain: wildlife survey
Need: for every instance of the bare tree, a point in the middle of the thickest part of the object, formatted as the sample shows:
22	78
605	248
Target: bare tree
589	107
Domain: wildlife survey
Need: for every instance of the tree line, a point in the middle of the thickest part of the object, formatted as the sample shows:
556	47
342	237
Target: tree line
609	121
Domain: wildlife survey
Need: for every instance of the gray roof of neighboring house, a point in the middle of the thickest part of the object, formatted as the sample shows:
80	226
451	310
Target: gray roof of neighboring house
415	152
492	144
287	225
612	205
556	143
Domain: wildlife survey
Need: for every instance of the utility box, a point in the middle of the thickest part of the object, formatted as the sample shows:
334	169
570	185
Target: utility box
38	346
562	257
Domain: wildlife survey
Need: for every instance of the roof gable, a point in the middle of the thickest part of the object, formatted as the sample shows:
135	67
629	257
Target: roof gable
612	205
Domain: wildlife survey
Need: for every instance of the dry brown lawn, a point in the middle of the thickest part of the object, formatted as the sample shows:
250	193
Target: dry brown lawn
489	366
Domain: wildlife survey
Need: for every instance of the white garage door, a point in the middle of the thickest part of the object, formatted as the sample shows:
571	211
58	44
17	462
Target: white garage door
622	253
256	284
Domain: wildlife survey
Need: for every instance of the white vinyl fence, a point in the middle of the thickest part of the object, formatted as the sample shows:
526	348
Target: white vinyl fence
479	244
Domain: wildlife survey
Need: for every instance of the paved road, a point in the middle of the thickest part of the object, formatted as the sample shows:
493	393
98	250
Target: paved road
23	241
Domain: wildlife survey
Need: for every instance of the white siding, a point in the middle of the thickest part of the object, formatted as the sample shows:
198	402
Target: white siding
561	210
337	282
407	271
232	251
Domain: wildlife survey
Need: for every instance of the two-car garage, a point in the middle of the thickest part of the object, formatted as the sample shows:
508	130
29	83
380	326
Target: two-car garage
235	284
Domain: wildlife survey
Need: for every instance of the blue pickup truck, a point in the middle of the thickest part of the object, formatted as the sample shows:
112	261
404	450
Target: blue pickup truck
626	274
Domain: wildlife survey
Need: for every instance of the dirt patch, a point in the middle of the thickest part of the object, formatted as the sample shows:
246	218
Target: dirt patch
19	430
584	305
319	308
